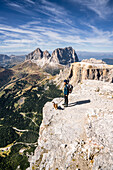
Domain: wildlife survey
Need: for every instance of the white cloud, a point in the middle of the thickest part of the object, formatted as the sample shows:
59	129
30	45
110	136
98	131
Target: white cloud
56	29
30	24
19	41
31	36
53	7
100	7
14	5
53	10
30	1
16	30
19	7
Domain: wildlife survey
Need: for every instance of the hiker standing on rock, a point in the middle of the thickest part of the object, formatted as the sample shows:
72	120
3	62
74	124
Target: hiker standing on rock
65	94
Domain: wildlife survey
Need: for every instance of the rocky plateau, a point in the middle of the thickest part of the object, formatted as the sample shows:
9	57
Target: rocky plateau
91	69
79	136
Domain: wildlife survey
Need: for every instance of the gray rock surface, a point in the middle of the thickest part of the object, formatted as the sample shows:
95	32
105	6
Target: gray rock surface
64	56
38	54
94	70
79	136
59	56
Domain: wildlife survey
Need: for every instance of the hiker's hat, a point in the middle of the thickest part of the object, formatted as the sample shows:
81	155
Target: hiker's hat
65	81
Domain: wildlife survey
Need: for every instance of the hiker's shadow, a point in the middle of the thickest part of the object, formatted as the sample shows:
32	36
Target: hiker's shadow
79	103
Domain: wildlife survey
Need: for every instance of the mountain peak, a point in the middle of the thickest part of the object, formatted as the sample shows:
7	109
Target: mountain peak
63	56
46	54
38	49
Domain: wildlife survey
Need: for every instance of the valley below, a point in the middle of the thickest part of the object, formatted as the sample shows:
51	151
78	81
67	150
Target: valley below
22	97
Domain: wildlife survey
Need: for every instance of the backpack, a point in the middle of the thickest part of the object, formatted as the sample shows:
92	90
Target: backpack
70	88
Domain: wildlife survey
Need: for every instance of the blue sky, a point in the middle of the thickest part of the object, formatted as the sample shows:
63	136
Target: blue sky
86	25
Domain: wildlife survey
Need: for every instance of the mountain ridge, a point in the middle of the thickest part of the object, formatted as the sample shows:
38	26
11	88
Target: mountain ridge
62	56
10	61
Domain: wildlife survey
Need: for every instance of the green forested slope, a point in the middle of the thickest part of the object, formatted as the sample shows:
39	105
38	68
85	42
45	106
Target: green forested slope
21	104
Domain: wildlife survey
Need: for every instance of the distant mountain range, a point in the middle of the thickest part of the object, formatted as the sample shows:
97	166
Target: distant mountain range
97	55
59	57
108	61
53	63
9	61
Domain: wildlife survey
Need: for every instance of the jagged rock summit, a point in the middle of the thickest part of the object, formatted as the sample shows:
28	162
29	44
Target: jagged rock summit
39	57
59	56
38	54
64	56
79	136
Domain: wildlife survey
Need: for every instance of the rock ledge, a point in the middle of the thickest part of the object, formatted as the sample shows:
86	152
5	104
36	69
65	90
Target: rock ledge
80	136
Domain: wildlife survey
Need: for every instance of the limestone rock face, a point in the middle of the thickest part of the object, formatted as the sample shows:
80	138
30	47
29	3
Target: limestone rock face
94	70
79	136
59	57
46	54
64	56
39	56
87	69
59	78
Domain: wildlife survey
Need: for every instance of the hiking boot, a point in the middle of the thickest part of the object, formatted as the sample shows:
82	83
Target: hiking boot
65	105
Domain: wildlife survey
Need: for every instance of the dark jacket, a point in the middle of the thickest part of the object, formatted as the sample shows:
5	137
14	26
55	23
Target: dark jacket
66	90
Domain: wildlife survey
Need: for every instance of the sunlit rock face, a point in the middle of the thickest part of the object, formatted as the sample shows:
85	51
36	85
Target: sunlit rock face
91	69
86	70
79	136
64	56
59	56
39	57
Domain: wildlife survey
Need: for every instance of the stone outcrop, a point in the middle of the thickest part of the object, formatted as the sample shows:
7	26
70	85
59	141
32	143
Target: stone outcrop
80	136
59	78
95	70
59	56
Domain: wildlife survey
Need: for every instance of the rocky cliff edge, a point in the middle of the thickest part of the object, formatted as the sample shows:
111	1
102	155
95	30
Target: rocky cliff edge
91	70
79	136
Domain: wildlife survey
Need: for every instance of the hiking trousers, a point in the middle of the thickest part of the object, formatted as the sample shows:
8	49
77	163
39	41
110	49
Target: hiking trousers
66	100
